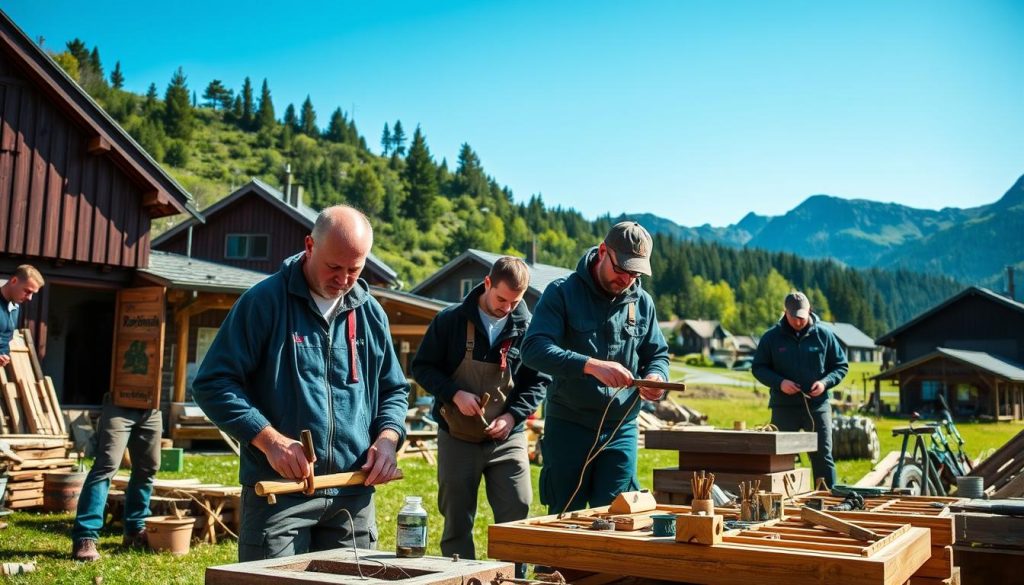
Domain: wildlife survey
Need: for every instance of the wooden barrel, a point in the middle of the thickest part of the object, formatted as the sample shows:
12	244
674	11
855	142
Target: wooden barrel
61	490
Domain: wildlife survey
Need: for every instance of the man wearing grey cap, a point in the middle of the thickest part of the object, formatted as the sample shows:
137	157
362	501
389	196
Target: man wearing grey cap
594	332
799	359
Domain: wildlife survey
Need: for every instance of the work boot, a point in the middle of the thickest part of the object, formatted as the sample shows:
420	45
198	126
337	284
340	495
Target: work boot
84	550
135	540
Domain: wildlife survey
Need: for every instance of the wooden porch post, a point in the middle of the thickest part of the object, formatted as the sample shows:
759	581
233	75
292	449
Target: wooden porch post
181	321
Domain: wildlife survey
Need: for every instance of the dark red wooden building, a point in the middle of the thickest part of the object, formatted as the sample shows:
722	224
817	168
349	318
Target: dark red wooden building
77	196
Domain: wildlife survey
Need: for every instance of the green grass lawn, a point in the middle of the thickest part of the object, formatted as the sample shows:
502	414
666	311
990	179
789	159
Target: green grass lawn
44	538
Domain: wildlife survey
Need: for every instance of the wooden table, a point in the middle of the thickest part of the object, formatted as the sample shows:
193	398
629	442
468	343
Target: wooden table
784	553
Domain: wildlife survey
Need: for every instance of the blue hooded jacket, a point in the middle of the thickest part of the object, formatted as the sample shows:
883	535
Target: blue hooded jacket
574	321
277	361
812	355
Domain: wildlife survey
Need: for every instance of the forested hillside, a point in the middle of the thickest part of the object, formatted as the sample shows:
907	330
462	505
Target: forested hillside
213	139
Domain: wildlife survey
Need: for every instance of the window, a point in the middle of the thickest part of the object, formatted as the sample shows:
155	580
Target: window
465	286
966	393
247	247
930	390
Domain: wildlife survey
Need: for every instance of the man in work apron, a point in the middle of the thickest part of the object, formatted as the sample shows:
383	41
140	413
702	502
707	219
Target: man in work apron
469	361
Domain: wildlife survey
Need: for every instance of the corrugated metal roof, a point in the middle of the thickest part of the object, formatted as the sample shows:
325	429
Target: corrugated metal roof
200	275
851	336
979	359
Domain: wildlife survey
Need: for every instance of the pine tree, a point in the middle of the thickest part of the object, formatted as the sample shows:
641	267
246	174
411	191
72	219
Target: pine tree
178	117
469	175
385	140
289	118
94	62
116	77
265	118
151	105
248	106
421	183
398	138
365	191
236	109
337	128
217	95
81	52
307	119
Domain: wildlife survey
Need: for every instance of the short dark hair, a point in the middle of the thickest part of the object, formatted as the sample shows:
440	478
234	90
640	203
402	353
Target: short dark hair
512	271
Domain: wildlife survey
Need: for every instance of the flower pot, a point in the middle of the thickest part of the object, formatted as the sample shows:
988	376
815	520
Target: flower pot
170	534
61	490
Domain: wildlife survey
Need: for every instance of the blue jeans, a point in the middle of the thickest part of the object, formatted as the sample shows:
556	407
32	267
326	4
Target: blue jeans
565	446
795	418
298	524
139	431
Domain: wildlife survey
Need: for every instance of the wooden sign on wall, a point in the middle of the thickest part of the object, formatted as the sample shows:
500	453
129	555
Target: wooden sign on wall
138	348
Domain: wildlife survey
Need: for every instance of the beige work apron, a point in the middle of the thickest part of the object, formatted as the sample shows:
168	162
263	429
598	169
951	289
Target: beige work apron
480	378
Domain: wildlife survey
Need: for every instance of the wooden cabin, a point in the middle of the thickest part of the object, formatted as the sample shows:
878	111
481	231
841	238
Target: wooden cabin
968	349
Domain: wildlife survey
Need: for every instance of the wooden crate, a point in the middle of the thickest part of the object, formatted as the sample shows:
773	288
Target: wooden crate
779	553
338	566
736	442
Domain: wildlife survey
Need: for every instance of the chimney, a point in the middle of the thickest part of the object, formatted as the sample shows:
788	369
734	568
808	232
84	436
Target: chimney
296	195
288	183
531	257
1010	288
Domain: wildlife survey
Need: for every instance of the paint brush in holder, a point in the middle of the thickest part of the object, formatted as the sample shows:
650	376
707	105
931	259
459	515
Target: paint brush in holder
702	485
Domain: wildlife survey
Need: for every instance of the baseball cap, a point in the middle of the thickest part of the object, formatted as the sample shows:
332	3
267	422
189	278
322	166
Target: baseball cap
632	246
797	305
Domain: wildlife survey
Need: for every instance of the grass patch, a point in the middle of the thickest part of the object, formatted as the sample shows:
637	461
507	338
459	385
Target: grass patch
44	538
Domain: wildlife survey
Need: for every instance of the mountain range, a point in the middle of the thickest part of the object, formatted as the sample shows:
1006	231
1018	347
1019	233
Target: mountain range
972	245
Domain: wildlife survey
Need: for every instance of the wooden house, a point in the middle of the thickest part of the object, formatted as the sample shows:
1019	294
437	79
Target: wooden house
453	281
702	336
857	345
968	349
77	196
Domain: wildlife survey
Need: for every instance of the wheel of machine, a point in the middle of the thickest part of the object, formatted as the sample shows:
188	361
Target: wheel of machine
911	477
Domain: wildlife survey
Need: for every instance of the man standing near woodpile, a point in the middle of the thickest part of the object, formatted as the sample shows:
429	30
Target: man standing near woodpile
309	348
470	361
17	290
799	359
595	331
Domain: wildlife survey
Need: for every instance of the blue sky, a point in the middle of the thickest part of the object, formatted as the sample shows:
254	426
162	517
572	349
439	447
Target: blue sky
696	111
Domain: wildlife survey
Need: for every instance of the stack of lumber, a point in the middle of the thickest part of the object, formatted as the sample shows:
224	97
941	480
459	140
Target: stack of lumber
29	400
217	507
931	512
989	540
734	457
38	455
1003	471
773	552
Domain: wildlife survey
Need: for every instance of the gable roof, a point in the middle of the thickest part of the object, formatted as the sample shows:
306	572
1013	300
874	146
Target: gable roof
967	292
163	195
978	359
302	214
850	336
541	275
705	328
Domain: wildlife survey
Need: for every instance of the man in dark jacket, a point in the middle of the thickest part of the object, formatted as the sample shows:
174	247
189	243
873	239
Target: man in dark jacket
800	359
469	360
594	332
309	348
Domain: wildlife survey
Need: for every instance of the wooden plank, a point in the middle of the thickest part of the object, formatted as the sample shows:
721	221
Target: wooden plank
30	349
878	473
736	463
678	481
8	142
728	441
55	177
939	565
86	209
72	195
37	185
10	398
18	210
989	530
52	392
29	408
23	504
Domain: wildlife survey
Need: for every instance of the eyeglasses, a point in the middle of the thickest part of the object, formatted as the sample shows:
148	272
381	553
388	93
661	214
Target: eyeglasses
620	270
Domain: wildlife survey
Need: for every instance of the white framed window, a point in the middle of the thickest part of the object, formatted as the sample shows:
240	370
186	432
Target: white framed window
465	285
247	246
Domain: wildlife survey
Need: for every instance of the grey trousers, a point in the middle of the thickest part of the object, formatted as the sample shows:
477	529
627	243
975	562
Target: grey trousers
299	524
460	466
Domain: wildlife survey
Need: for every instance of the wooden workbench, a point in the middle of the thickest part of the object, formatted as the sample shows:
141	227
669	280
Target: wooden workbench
338	566
781	554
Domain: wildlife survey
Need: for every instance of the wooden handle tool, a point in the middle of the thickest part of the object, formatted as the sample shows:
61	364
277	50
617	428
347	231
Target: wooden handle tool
272	488
307	448
659	384
812	516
